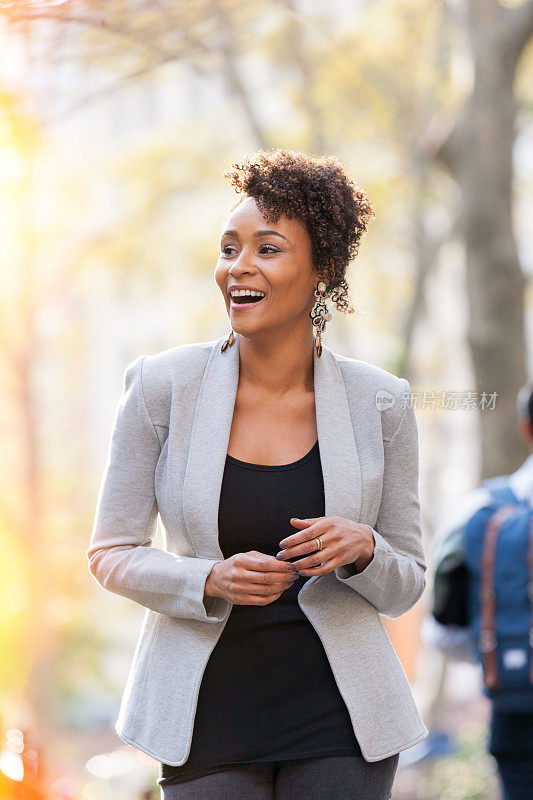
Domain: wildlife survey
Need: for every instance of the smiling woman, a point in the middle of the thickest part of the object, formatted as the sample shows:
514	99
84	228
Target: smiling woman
264	672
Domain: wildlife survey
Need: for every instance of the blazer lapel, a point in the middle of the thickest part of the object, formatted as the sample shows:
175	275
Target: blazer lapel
210	434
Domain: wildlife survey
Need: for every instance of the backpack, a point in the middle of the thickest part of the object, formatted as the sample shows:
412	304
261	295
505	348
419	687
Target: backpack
498	555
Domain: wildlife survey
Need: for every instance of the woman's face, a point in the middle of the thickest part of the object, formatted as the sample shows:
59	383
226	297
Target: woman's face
274	258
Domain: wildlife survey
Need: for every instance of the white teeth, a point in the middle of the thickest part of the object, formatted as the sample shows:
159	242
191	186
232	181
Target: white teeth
244	292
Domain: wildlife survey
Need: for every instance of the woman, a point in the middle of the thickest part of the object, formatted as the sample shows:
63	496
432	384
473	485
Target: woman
263	669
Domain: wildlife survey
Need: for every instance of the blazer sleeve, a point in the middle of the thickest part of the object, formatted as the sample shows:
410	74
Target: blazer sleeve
394	579
120	554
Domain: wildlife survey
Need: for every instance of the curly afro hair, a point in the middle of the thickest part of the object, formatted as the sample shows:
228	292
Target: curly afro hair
316	191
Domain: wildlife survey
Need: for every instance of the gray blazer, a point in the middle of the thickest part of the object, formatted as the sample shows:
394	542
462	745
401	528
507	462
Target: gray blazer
167	455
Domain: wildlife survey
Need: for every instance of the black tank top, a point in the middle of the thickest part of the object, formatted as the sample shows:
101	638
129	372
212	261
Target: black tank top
268	692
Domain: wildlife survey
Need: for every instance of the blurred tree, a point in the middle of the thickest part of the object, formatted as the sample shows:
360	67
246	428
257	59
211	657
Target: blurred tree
476	146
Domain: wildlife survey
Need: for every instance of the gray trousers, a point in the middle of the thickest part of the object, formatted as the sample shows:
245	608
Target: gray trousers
320	778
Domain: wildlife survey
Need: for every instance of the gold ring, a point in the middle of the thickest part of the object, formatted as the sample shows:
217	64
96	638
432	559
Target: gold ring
318	541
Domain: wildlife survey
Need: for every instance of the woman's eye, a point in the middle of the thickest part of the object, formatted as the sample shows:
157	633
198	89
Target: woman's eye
271	248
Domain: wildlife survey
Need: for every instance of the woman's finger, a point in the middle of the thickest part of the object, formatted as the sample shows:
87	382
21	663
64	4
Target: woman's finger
304	548
322	569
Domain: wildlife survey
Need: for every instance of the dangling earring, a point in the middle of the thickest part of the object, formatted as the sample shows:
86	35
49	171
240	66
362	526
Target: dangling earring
231	338
320	315
229	341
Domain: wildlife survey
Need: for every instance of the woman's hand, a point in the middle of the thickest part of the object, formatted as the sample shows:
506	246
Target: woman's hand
250	578
343	542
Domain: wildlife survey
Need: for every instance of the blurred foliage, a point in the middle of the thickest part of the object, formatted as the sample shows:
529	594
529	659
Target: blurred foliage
468	775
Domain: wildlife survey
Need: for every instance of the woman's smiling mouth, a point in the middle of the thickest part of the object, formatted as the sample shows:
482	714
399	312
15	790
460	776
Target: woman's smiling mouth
245	301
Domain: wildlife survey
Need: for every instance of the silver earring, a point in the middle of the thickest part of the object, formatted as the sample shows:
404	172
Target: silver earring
319	315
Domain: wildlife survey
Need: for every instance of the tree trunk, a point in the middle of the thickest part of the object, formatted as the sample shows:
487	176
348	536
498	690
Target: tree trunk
478	153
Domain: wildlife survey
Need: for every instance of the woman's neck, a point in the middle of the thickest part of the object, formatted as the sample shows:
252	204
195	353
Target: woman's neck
277	370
